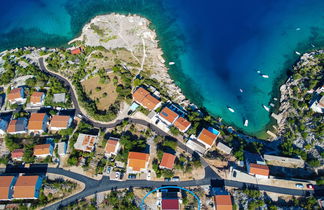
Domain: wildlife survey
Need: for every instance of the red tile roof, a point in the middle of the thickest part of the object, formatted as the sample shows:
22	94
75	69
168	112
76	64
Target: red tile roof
12	126
170	204
14	94
168	114
167	161
182	124
60	121
259	169
36	121
207	137
25	187
137	160
150	102
76	51
144	97
111	145
17	153
42	149
223	202
36	97
140	94
5	183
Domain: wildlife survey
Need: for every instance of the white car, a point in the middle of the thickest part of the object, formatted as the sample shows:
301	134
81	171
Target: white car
117	175
298	185
148	175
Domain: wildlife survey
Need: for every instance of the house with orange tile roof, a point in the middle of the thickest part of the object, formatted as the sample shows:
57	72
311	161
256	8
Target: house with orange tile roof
86	142
168	116
60	122
43	150
167	161
223	202
6	185
17	126
37	123
112	147
3	126
37	98
27	187
146	99
208	137
222	199
182	124
16	96
256	166
76	51
17	154
137	162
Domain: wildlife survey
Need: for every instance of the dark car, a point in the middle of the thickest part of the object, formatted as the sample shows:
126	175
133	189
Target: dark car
131	176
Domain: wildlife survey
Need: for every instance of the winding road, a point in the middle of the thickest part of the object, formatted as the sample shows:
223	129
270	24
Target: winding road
94	186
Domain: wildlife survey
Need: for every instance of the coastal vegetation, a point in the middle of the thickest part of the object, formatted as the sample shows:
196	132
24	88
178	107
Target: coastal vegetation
303	129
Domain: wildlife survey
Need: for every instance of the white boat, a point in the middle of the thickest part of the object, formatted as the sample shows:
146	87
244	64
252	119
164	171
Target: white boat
297	29
241	90
246	123
271	104
312	45
298	53
266	108
275	99
264	75
171	63
230	109
258	72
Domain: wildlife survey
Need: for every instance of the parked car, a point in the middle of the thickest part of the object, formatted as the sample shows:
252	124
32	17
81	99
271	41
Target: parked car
310	186
298	185
167	179
148	175
117	175
108	170
131	176
175	178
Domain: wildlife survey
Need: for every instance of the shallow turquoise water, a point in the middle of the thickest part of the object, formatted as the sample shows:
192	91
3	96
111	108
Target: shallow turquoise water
217	45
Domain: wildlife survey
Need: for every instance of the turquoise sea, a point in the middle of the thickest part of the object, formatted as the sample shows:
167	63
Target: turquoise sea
218	46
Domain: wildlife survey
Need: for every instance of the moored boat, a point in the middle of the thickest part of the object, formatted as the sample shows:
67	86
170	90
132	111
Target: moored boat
246	123
266	108
265	76
298	53
230	109
171	63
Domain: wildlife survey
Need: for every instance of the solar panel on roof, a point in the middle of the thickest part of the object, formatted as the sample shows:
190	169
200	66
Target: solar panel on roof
165	114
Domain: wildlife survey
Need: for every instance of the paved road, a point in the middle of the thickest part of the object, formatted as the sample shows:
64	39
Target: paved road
94	186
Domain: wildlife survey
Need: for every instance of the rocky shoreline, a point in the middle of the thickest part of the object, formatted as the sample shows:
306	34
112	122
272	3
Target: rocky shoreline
286	91
132	32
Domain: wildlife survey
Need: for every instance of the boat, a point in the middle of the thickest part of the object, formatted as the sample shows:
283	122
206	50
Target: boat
246	123
171	63
230	109
298	53
258	72
297	29
271	104
312	45
275	99
241	90
264	75
266	108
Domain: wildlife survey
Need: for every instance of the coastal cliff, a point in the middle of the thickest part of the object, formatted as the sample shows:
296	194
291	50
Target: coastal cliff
298	125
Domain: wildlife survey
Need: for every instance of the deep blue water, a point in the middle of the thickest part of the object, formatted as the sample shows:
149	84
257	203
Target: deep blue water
217	45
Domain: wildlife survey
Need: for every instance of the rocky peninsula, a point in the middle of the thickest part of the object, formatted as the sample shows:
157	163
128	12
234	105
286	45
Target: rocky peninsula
132	33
